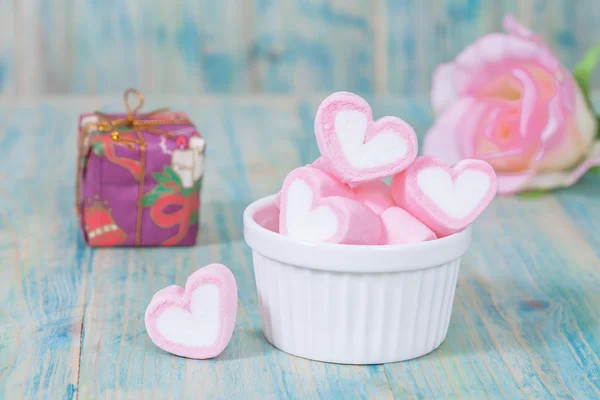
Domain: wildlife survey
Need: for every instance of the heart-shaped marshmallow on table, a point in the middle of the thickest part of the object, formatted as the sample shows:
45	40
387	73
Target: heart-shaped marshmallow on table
315	207
198	321
445	199
357	149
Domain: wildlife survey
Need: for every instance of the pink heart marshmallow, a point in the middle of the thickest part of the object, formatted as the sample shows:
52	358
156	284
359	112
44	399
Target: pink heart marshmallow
198	321
445	199
314	207
333	187
357	149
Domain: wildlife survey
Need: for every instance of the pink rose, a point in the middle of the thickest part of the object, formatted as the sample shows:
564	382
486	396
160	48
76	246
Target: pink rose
507	100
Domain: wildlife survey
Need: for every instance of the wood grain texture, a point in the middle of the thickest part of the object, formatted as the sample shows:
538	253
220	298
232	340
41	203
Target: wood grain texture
303	46
40	278
291	46
525	322
423	34
7	48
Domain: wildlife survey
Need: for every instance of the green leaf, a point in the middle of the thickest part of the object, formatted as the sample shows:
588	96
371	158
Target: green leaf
584	69
595	170
533	194
172	174
583	75
150	198
161	178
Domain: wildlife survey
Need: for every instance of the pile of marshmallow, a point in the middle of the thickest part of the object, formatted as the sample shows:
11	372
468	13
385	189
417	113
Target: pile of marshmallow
341	197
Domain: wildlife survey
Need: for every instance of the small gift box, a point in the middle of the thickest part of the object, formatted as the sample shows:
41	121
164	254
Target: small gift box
139	177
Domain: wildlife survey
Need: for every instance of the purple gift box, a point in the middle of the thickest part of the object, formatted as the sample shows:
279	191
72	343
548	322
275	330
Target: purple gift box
139	178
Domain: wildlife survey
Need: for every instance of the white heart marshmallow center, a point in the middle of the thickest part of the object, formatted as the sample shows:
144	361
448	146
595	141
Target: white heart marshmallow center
382	149
457	197
197	328
303	222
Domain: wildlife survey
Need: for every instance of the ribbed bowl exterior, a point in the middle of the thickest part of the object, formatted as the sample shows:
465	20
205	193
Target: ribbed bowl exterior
352	317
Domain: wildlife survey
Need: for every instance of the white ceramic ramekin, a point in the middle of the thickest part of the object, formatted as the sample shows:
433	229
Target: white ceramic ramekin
351	304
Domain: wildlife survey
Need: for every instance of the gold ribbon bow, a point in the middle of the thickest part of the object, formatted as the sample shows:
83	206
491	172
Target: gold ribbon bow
133	122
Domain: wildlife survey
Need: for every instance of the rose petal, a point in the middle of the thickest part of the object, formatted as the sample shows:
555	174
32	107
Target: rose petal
571	141
536	123
585	119
494	53
513	27
529	101
513	183
555	114
551	180
443	93
442	139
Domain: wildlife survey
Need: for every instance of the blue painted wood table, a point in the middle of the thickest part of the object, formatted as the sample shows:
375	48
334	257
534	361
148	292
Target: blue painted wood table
526	318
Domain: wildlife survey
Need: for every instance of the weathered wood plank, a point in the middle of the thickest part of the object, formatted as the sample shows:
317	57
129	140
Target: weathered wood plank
7	47
581	205
321	45
525	317
159	46
42	262
382	46
28	48
56	41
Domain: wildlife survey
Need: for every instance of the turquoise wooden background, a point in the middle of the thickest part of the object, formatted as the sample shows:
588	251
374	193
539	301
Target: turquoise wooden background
286	46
